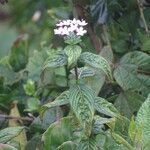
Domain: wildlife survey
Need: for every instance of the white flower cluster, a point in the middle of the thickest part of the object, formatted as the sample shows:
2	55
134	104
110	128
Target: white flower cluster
67	27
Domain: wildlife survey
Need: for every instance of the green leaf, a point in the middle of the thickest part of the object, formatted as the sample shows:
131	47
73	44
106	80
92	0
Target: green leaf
6	147
29	88
73	52
10	77
33	104
121	140
57	133
59	101
69	145
104	107
84	72
96	82
140	59
9	133
82	102
128	78
128	103
96	61
143	122
89	144
19	54
57	60
35	64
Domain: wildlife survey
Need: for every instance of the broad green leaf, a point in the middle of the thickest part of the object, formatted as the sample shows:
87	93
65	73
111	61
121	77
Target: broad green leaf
106	142
127	77
57	133
57	60
9	133
96	61
128	103
59	101
84	72
143	122
6	147
33	104
73	52
140	59
35	64
104	107
82	102
69	145
89	144
122	126
121	140
10	77
96	82
18	57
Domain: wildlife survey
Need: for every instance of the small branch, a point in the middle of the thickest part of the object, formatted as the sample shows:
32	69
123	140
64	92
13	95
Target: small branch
16	118
81	14
140	5
76	73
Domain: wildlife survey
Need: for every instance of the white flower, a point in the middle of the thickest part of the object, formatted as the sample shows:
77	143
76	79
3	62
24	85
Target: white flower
81	31
36	16
67	27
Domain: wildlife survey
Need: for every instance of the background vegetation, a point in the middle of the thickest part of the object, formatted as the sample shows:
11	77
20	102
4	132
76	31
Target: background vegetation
118	31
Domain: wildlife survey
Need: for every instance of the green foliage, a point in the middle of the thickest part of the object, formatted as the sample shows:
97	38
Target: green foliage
57	60
73	52
9	133
96	61
82	102
143	121
60	84
57	134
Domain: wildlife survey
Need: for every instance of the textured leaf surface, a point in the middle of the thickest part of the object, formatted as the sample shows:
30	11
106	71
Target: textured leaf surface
143	122
57	134
121	140
89	144
73	52
142	60
57	60
84	72
6	147
59	101
35	64
104	107
82	102
128	103
128	78
8	133
96	61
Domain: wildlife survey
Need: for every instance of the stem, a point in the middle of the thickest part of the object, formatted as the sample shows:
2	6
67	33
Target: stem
16	118
140	5
67	75
76	73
